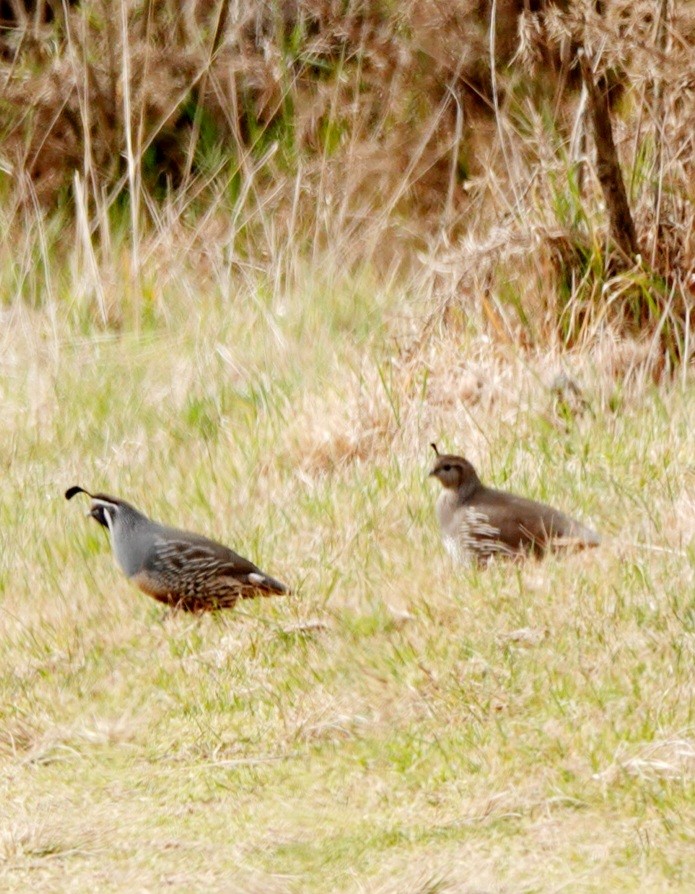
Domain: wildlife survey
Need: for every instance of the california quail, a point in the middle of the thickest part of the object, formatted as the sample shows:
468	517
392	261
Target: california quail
479	522
181	569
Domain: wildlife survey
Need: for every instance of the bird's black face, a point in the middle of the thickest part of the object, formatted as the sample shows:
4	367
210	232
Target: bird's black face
104	508
453	471
98	513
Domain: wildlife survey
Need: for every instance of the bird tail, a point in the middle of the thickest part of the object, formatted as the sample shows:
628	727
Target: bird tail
267	586
579	536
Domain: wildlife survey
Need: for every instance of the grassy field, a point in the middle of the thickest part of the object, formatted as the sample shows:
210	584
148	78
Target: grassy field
397	724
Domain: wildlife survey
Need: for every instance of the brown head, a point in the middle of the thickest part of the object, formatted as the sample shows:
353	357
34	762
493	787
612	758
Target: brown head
454	472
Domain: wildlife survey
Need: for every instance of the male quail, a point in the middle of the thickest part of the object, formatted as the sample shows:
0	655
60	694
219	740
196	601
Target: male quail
479	522
181	569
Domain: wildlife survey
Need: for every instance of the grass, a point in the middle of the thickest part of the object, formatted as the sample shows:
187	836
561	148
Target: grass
398	724
231	346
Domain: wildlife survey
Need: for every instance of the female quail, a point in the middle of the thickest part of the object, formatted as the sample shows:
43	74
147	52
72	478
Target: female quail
479	522
181	569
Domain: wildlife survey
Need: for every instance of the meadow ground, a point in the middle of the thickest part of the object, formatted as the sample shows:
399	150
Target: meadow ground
397	724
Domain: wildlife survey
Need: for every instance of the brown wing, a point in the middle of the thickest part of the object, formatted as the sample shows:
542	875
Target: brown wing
195	573
526	524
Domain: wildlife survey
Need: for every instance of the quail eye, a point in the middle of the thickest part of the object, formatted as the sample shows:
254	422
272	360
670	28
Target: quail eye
446	468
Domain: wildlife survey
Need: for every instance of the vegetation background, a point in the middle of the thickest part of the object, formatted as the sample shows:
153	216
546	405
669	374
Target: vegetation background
254	258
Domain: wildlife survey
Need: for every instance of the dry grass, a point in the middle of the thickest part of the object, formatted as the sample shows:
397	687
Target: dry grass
398	724
416	140
263	354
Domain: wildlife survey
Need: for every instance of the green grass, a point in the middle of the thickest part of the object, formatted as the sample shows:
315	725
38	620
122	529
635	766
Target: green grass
442	729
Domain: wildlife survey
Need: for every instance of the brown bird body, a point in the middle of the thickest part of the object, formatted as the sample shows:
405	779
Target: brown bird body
480	522
179	568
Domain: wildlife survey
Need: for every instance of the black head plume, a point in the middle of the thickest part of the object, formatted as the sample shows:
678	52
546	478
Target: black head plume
75	489
432	445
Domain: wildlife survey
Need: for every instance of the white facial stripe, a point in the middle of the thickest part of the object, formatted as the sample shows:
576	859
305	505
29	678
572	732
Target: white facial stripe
108	508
